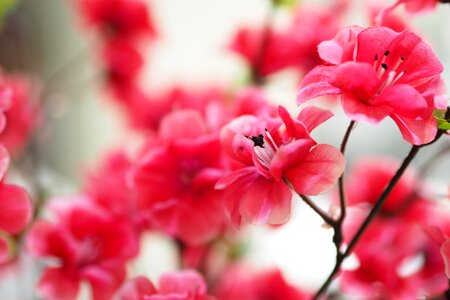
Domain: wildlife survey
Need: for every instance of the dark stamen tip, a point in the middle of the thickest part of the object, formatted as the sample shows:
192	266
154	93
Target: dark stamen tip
376	57
402	57
258	140
387	53
384	66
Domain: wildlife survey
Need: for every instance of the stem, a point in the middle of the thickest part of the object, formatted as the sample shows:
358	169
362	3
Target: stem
327	219
375	210
338	236
341	179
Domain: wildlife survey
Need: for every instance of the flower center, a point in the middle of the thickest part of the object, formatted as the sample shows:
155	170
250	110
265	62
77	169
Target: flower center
264	147
388	74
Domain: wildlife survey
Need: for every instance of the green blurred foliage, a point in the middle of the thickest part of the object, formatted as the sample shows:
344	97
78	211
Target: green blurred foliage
6	6
443	123
285	3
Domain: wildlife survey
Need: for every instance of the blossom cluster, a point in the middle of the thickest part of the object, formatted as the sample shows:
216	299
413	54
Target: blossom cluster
212	162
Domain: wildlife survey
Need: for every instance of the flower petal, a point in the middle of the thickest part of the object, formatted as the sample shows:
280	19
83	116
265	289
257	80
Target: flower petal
317	83
290	155
359	79
341	47
420	61
16	208
266	201
184	282
445	251
360	111
312	117
48	239
56	284
405	101
416	131
374	41
4	161
104	282
318	172
135	289
294	128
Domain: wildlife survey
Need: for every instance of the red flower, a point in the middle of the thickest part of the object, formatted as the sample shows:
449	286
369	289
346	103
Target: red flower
23	113
175	179
270	150
238	282
122	18
396	258
183	285
379	73
291	47
16	209
445	251
88	244
368	178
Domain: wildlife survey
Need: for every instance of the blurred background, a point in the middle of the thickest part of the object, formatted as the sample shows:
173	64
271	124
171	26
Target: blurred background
47	39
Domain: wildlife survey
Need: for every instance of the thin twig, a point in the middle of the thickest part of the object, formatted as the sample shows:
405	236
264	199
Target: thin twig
338	235
374	211
326	218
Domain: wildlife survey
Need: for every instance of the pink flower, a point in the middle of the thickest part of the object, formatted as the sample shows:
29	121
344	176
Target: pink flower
23	114
379	73
16	209
123	63
368	178
88	244
445	251
5	103
378	17
239	282
182	285
440	233
291	47
114	18
174	180
396	258
270	150
415	6
110	187
215	104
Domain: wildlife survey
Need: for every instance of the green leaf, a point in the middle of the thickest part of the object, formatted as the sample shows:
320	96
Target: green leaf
6	6
285	3
443	123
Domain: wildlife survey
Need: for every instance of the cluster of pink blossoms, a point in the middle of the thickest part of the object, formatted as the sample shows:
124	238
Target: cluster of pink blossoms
122	26
15	203
216	160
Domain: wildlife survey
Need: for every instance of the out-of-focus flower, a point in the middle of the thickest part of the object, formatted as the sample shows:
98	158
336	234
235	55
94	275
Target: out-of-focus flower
174	180
270	150
182	285
109	186
370	176
291	47
395	21
239	282
23	112
16	209
123	18
88	244
379	73
396	257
